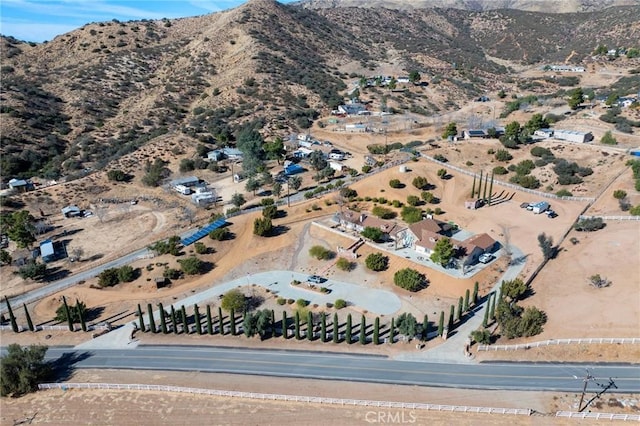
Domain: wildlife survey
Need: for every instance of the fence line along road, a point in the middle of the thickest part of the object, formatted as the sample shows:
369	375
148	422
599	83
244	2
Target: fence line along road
598	416
507	184
582	217
291	398
596	340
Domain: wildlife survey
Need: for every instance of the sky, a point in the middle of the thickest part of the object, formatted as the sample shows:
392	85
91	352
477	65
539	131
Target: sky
40	20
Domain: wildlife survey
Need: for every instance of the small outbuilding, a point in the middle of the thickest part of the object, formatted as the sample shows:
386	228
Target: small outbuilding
540	207
71	211
47	251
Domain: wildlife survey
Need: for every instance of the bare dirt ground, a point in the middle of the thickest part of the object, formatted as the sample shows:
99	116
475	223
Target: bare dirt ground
144	407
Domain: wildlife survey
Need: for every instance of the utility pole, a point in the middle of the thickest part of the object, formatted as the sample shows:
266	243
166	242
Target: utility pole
605	388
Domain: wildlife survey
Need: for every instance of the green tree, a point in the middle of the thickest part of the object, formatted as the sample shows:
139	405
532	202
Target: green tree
23	368
425	327
340	303
502	155
345	264
392	331
347	331
275	150
317	160
66	312
201	248
262	226
450	130
428	197
395	183
196	317
108	277
363	330
252	185
220	321
155	172
126	274
152	322
443	252
219	234
411	214
608	139
81	314
413	200
12	317
209	321
546	245
377	261
232	321
407	325
409	279
514	289
619	194
295	182
320	253
163	319
5	257
415	77
28	317
296	324
335	328
192	265
442	173
420	182
257	323
323	327
372	233
237	200
482	336
270	212
19	227
141	319
250	142
460	307
174	320
474	298
309	326
576	98
277	189
536	122
466	300
441	324
117	175
33	270
376	331
234	299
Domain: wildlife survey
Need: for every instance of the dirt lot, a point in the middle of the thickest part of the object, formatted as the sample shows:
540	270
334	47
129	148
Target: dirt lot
140	407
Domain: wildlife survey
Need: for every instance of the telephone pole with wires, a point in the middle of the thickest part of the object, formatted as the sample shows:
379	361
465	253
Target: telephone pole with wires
589	378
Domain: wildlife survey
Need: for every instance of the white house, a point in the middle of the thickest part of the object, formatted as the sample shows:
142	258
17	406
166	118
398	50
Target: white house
544	133
336	166
573	136
540	207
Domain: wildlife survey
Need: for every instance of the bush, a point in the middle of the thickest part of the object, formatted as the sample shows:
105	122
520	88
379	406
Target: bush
23	369
589	225
320	253
372	233
108	277
499	170
344	264
420	182
564	193
409	279
348	193
234	299
200	248
301	303
411	214
219	234
270	212
262	226
619	194
340	303
413	200
395	183
191	265
171	273
539	151
126	274
440	157
383	212
377	262
281	301
366	168
117	175
503	155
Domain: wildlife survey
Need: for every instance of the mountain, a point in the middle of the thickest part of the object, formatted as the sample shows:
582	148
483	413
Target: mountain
547	6
99	92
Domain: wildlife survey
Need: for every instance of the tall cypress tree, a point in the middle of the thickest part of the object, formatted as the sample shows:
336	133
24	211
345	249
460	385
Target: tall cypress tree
392	331
460	305
492	306
12	318
441	324
29	322
141	319
285	333
451	313
220	321
309	325
273	323
336	328
152	322
232	318
480	184
475	293
376	331
485	321
196	315
296	324
473	188
209	321
323	327
174	320
425	327
185	323
68	312
83	324
363	330
163	319
347	334
466	300
486	183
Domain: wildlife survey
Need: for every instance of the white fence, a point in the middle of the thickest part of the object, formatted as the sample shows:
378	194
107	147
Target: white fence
610	217
509	185
597	340
598	416
55	327
291	398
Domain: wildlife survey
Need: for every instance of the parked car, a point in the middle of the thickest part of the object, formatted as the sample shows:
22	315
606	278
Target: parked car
315	279
485	258
551	214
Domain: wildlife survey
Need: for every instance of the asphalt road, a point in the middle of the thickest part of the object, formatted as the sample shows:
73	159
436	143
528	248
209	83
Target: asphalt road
359	368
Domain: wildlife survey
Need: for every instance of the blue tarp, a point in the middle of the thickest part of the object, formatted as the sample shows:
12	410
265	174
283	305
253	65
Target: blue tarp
203	232
292	169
